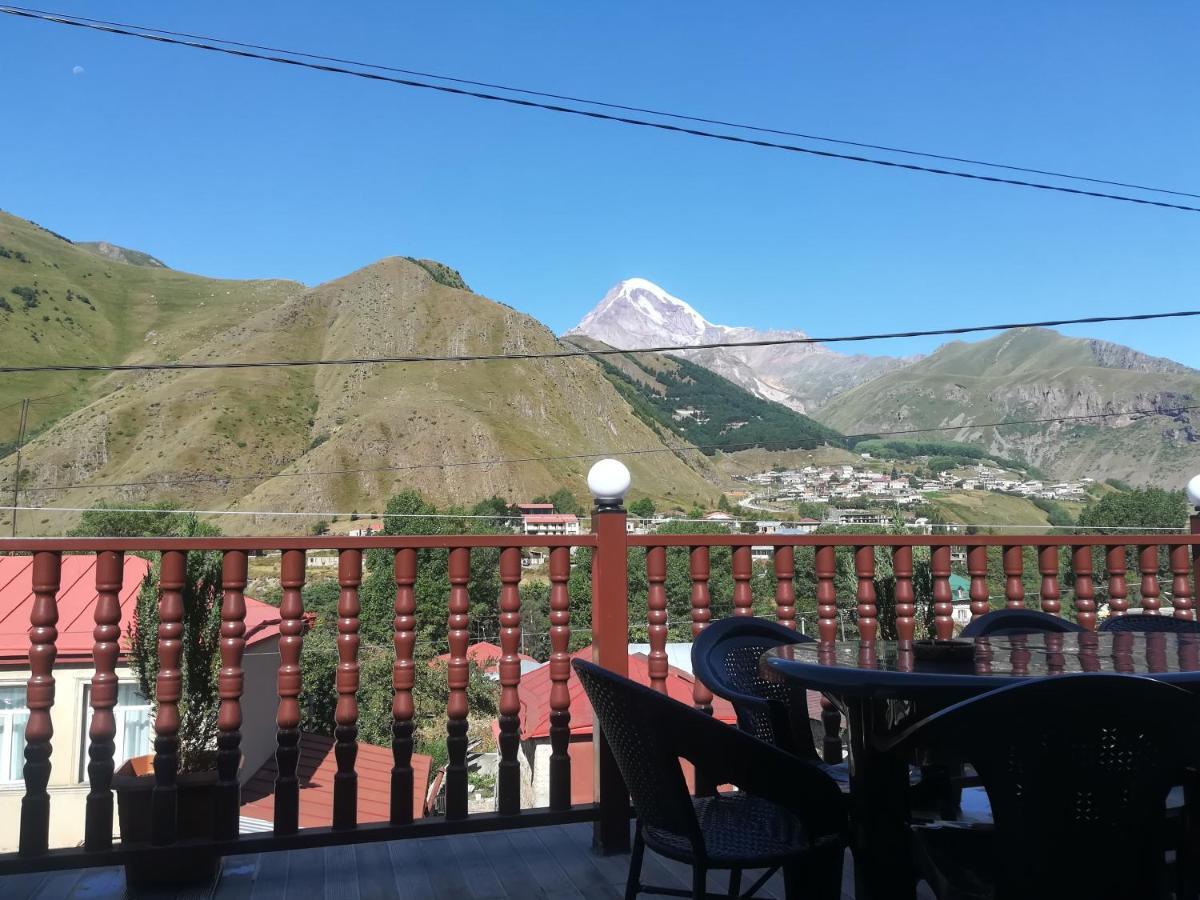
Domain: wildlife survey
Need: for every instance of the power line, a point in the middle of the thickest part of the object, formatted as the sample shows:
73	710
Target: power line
696	448
579	351
585	113
609	105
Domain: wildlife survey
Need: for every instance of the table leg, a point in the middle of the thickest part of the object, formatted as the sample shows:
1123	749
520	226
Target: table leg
879	806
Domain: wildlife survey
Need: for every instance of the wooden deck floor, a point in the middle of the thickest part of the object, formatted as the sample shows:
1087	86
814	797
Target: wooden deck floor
554	863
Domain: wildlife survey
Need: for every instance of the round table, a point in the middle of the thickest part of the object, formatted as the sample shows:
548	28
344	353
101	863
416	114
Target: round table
882	686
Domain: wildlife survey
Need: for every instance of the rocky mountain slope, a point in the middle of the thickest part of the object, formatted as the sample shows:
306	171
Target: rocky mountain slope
637	313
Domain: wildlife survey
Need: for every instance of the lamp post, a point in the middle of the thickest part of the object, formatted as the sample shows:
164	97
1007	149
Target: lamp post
608	480
1193	496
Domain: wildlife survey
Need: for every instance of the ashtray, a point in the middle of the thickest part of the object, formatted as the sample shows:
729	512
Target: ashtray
944	651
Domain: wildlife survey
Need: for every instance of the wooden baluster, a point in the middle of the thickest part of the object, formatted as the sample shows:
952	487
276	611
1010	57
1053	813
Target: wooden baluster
1181	586
864	570
229	689
1148	563
785	586
977	568
702	697
1019	653
943	600
508	779
404	636
345	714
656	616
98	819
1050	592
457	677
1122	651
1156	651
39	693
167	690
1089	651
1118	591
827	622
560	675
1085	589
1014	587
902	568
743	569
287	683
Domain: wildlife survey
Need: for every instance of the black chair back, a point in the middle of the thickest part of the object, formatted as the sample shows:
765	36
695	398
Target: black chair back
725	657
1074	766
1144	622
1018	621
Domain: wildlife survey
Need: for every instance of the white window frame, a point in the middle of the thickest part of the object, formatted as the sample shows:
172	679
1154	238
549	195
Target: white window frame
119	712
14	720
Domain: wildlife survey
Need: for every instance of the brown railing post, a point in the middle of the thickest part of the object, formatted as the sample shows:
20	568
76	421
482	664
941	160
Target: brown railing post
977	568
656	616
825	564
1049	592
1194	522
560	676
1115	563
457	679
1085	590
404	637
1148	563
1014	567
508	778
864	571
943	600
610	649
287	682
229	689
785	585
902	568
1181	587
743	571
698	573
345	714
35	807
98	826
167	690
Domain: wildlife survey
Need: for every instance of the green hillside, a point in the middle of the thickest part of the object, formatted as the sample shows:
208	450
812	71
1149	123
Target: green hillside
1040	374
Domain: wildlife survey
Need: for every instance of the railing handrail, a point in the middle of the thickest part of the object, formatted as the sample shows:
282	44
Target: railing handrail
325	542
1128	539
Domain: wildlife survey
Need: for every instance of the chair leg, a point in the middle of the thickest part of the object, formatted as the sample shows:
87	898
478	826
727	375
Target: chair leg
735	882
633	884
699	882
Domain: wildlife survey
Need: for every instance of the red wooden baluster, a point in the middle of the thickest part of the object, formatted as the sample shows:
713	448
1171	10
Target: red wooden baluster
1089	652
508	780
1014	587
656	616
785	586
287	683
943	600
345	714
1050	593
39	693
1085	589
902	568
977	568
98	824
831	719
864	570
1019	653
1148	563
1122	651
701	615
743	599
404	636
1118	591
560	675
1055	659
229	689
1181	586
457	677
167	690
1156	651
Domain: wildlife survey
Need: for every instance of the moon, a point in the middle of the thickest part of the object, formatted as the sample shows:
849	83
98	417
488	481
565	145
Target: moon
78	70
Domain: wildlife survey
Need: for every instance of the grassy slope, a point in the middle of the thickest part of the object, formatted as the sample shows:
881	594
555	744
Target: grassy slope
1033	374
255	425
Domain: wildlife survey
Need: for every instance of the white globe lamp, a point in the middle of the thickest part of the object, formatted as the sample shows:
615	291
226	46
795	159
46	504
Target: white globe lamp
608	480
1193	493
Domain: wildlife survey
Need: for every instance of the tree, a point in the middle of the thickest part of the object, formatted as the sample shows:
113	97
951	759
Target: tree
320	527
643	508
723	504
564	501
156	520
1141	508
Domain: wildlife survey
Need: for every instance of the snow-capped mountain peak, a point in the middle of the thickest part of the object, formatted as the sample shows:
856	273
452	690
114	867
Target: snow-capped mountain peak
637	312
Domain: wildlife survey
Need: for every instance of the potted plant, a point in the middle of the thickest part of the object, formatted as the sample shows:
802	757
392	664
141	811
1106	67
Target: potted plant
199	663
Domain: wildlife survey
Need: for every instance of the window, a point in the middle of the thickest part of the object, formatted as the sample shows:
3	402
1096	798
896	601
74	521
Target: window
132	713
13	716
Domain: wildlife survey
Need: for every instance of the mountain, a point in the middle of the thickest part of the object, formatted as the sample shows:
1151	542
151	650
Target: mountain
1034	373
121	254
233	439
637	313
703	408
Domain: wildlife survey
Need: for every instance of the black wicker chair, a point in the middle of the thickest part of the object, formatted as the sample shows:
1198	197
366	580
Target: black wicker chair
1074	766
1144	622
787	813
1017	621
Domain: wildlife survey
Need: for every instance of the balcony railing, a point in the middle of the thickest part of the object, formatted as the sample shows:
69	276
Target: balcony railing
1074	572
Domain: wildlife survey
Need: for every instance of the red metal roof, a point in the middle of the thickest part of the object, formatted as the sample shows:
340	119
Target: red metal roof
76	606
315	772
535	697
484	654
551	519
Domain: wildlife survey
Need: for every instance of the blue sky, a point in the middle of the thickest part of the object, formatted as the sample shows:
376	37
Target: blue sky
245	169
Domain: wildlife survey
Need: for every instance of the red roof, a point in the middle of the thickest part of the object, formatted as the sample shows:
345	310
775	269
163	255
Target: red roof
77	606
315	772
535	697
551	519
485	655
545	507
